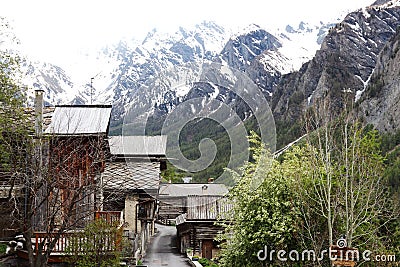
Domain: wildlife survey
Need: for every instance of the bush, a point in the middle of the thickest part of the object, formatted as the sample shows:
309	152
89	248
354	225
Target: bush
99	244
207	263
3	248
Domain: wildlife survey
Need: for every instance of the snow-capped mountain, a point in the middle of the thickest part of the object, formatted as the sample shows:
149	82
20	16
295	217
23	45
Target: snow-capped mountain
280	50
254	51
299	43
265	57
115	73
128	73
157	53
98	71
34	74
52	79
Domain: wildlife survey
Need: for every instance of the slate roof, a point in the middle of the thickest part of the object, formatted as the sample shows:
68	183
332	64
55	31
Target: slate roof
129	169
80	119
122	176
138	145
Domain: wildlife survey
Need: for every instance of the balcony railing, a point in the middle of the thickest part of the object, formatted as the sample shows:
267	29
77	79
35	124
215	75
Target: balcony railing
111	217
59	247
65	239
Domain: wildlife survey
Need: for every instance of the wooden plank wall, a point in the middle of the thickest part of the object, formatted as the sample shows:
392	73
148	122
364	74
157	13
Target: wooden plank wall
207	207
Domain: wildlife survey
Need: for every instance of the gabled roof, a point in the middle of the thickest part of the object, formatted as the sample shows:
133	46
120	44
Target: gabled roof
138	145
80	119
183	190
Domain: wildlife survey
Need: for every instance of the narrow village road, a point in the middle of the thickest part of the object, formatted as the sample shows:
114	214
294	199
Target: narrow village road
162	251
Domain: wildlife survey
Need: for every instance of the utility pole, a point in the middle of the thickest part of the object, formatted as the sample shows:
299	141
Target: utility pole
91	90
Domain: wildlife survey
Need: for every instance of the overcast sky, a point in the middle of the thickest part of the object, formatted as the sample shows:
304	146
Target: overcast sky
48	28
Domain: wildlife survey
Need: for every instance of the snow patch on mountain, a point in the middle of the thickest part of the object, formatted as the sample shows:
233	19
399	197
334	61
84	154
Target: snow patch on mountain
52	79
275	61
300	43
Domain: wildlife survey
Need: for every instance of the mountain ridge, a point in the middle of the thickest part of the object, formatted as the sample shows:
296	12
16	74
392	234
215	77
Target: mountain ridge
294	67
346	59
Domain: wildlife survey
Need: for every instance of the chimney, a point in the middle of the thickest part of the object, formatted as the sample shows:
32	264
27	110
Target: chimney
39	113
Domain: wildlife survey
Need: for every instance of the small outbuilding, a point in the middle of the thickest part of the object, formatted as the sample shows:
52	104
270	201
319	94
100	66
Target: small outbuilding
198	228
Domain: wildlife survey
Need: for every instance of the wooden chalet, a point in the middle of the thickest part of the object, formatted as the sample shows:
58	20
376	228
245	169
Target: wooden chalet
75	155
197	228
130	183
69	154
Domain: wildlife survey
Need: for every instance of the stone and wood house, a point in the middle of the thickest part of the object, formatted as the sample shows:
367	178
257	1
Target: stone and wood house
85	174
130	183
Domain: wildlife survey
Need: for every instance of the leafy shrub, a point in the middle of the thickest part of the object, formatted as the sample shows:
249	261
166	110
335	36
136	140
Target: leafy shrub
207	263
99	244
3	248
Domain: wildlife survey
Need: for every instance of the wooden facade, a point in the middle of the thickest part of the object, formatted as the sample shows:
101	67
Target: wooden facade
199	238
173	198
197	228
75	163
71	155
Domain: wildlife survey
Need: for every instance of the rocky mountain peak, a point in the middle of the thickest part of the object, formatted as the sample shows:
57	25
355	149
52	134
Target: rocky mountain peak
379	104
346	59
243	48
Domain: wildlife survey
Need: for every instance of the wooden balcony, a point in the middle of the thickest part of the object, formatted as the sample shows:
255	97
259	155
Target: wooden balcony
63	240
146	210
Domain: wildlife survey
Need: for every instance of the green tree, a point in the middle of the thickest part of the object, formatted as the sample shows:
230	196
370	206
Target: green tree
13	119
261	216
331	185
172	174
343	191
14	144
